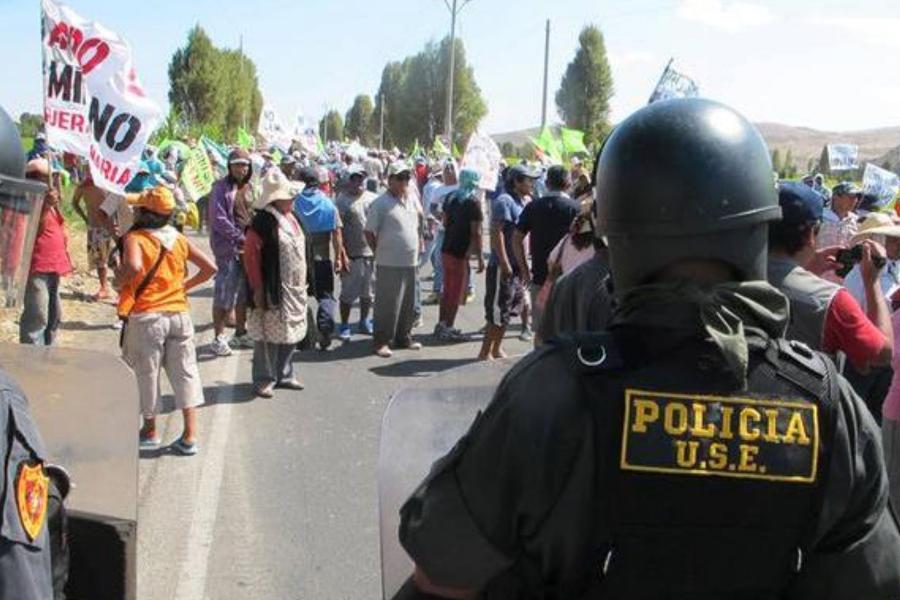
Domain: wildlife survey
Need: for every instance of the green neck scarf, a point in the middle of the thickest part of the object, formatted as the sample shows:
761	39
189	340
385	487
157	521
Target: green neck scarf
722	314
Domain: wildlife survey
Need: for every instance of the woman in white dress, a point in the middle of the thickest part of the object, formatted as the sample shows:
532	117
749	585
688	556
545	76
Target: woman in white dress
275	260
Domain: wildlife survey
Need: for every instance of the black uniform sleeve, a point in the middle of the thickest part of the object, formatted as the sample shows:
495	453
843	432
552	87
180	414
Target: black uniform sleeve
524	223
464	524
857	550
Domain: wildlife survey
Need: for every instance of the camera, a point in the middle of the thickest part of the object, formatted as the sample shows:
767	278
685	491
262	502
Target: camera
848	257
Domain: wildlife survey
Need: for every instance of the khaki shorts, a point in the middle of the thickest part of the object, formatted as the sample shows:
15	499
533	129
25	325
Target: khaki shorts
157	341
99	244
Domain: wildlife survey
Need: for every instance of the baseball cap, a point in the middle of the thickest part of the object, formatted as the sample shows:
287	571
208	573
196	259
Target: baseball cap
800	205
157	199
356	169
846	188
397	167
519	171
239	157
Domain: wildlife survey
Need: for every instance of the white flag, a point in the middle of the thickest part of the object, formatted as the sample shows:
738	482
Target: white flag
673	84
94	105
843	157
483	155
880	183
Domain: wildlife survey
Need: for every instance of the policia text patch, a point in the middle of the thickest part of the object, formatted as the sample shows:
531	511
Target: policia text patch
773	439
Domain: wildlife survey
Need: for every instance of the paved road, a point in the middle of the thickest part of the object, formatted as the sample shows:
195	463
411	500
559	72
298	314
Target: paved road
281	500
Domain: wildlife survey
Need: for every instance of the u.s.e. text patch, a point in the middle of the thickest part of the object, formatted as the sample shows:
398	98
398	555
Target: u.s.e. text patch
750	438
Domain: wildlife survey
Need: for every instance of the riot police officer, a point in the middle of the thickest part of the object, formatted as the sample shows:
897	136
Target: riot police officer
25	488
689	451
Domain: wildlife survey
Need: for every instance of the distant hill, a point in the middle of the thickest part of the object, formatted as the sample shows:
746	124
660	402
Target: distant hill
805	143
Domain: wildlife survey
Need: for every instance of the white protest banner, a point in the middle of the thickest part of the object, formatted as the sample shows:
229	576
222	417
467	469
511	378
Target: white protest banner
270	127
94	105
880	183
483	155
843	157
198	176
673	84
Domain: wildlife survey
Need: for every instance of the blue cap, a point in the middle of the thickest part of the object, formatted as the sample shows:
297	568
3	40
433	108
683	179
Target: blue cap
800	205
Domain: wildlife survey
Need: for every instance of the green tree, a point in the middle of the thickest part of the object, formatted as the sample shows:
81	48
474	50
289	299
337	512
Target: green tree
358	122
30	124
331	127
788	168
777	163
214	89
414	95
586	87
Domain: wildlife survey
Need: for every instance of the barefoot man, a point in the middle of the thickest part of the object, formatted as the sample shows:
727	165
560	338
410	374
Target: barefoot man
99	240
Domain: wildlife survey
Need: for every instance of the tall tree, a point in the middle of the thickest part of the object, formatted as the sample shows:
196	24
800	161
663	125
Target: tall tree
414	94
214	89
331	127
788	168
586	87
777	164
358	122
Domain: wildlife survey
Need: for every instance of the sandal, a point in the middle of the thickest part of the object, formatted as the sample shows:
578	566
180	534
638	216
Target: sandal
149	443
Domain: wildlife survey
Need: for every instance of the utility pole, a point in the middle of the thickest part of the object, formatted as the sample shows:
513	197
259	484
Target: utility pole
546	70
381	135
455	9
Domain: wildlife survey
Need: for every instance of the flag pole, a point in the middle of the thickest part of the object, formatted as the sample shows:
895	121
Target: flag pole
661	79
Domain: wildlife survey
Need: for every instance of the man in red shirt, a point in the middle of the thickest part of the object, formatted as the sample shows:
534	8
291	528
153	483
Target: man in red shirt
825	315
49	262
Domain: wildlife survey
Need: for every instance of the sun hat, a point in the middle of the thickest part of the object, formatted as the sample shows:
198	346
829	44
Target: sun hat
275	186
876	223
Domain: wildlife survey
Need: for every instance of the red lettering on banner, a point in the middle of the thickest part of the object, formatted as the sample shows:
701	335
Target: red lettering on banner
89	54
62	119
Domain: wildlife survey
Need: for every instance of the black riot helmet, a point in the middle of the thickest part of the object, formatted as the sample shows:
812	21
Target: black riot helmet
684	179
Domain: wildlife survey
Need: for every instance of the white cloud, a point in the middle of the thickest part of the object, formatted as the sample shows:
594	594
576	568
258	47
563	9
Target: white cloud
880	31
727	16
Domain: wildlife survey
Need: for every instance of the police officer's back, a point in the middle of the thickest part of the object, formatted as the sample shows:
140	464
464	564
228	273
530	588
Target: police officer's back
687	452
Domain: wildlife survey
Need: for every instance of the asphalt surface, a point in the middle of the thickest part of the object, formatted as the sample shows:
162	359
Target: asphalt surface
281	500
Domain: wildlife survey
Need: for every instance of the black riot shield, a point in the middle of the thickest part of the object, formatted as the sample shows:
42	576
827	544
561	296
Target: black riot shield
85	406
420	425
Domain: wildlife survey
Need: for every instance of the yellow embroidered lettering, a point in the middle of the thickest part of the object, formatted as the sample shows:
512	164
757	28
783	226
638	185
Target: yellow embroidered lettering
718	456
744	430
701	429
796	431
748	455
725	432
645	411
676	418
686	459
771	434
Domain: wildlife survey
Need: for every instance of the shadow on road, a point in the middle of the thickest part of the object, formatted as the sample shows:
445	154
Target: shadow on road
82	326
224	393
420	367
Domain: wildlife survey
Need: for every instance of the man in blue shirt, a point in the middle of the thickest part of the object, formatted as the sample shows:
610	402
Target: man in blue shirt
504	289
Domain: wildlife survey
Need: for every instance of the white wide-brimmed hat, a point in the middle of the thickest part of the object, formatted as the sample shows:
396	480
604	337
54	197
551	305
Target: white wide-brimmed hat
876	223
275	186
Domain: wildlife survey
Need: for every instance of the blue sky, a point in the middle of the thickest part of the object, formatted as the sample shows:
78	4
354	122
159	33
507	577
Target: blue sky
820	63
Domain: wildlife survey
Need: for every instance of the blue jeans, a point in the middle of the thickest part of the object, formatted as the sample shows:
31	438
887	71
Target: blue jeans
433	254
41	315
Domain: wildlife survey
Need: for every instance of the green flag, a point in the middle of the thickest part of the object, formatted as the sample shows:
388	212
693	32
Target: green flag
456	152
320	147
549	145
439	148
417	150
573	141
219	153
197	177
277	156
244	140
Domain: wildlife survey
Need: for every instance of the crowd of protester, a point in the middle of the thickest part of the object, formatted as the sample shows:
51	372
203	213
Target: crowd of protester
282	233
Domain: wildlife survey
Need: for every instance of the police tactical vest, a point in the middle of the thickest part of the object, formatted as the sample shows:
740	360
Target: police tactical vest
810	297
704	490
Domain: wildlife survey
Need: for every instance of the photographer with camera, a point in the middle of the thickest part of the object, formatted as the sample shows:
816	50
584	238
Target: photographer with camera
824	315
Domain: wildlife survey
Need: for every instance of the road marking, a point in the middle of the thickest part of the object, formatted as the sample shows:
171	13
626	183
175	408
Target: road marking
192	579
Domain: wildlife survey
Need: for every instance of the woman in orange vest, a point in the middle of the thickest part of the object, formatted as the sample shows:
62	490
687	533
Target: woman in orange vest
159	333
